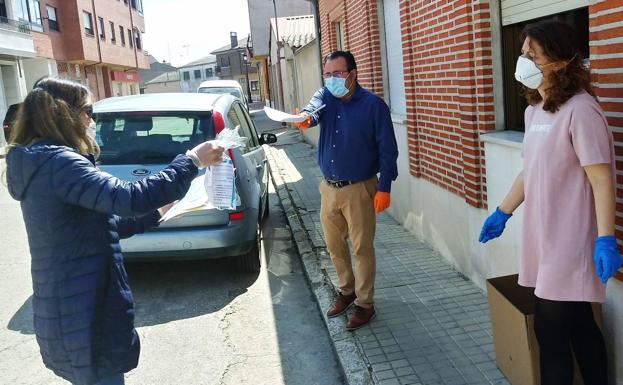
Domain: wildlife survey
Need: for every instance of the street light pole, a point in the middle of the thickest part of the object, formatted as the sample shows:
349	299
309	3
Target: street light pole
278	42
245	60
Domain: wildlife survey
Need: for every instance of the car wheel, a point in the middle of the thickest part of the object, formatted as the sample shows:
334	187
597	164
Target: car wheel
251	261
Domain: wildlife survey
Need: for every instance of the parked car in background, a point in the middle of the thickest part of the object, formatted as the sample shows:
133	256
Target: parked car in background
139	135
9	120
231	87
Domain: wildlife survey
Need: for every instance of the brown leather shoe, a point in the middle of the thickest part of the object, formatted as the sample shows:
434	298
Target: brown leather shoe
341	304
361	317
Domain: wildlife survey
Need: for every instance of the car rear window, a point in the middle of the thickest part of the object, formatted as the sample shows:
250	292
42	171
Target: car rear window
221	90
150	138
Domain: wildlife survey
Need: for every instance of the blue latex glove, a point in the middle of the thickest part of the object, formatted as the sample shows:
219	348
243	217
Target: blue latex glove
494	225
607	257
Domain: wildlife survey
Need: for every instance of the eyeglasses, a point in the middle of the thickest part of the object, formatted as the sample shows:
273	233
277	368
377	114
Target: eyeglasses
88	110
335	74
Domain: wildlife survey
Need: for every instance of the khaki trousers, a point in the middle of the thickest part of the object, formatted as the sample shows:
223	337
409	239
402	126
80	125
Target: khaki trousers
348	212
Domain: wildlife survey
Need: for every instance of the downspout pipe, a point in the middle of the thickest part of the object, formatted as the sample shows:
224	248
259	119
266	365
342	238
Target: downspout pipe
134	42
99	48
316	5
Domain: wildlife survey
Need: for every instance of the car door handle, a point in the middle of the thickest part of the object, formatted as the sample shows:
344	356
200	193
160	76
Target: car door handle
259	166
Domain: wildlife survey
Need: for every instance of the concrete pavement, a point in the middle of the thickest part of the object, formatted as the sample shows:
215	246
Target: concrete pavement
432	326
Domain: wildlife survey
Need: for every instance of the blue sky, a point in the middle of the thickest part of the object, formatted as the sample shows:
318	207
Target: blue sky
181	31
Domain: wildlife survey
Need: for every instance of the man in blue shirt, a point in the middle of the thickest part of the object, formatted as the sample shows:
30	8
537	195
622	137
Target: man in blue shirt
356	143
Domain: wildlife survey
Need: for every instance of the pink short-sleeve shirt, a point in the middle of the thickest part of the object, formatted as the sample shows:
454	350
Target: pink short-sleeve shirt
560	227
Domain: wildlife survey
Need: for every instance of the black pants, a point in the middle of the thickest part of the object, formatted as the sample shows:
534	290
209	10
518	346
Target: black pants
561	327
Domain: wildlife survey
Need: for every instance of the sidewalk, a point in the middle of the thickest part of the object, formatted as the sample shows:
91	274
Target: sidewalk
432	326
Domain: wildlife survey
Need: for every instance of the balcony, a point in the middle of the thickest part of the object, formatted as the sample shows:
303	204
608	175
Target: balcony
14	25
15	38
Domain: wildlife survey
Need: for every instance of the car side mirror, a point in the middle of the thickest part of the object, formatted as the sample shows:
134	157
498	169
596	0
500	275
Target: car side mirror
268	138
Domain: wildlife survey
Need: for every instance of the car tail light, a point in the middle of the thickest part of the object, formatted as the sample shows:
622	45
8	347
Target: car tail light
236	216
219	122
219	125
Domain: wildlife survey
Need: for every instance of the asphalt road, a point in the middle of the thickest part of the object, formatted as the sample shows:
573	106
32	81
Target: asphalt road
200	322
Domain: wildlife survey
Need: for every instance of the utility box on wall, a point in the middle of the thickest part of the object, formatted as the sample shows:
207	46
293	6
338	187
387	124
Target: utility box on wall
512	318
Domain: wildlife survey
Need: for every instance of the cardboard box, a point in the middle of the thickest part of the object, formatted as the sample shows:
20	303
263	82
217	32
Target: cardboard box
512	319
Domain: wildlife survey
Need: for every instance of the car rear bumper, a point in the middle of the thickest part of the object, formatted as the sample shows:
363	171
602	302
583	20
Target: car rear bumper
199	243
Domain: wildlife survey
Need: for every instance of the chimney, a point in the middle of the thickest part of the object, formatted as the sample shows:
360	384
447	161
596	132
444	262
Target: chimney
234	39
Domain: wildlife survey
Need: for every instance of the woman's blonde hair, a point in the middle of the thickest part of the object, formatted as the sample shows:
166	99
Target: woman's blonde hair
52	111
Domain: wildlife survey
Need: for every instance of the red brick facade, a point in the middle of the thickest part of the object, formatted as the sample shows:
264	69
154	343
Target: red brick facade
86	57
448	74
607	70
361	31
449	91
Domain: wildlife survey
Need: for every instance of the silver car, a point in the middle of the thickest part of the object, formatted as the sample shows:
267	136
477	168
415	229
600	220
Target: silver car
139	135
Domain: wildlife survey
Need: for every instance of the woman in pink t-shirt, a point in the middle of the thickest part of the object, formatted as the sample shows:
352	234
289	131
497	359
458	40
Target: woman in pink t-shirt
567	187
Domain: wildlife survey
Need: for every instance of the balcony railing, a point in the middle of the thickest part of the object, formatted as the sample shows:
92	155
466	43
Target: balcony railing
15	25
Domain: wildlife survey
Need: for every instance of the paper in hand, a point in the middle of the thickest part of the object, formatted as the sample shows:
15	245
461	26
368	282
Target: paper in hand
280	116
195	199
220	185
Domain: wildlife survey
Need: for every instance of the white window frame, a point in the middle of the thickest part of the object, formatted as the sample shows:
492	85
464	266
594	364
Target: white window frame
87	18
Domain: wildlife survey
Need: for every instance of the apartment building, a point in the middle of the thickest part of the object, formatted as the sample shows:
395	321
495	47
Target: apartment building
98	43
16	45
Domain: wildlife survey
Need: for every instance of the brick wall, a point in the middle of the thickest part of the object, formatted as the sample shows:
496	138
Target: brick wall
449	91
449	84
361	32
606	54
72	44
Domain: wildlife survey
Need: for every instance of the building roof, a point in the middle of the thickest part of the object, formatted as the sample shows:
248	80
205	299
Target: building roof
295	31
242	44
171	76
155	69
204	60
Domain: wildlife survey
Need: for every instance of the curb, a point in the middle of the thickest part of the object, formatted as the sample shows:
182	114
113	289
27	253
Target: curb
352	361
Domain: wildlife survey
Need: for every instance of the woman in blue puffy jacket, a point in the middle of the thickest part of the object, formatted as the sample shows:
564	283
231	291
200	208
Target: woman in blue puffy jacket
75	215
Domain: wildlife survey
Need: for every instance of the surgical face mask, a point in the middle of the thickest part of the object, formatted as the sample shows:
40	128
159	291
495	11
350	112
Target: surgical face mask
528	73
337	86
92	129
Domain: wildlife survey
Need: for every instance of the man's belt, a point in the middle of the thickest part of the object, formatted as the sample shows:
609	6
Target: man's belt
340	183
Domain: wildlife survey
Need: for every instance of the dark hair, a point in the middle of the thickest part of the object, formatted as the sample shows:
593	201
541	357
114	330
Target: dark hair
52	111
350	59
559	42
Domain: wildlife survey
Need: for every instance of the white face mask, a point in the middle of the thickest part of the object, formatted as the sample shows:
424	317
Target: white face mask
92	129
528	73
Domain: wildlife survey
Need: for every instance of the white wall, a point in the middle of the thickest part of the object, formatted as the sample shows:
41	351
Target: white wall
164	87
15	43
14	84
35	69
450	225
12	88
3	109
393	70
192	84
307	64
613	328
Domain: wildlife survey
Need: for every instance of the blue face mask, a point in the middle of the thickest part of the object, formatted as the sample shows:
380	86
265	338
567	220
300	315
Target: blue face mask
337	86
